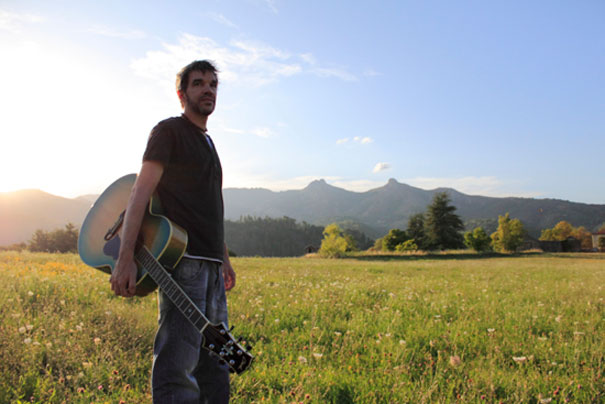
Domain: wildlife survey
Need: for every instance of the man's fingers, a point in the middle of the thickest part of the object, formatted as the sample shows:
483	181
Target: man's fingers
132	284
229	279
114	286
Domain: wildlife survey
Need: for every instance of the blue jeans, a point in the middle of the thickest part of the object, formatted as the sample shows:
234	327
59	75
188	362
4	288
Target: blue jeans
183	372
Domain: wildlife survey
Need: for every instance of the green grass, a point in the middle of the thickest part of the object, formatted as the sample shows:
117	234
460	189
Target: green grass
382	329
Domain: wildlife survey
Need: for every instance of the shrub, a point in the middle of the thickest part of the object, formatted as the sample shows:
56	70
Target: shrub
408	245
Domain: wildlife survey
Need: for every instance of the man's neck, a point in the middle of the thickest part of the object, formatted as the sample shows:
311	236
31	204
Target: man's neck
198	120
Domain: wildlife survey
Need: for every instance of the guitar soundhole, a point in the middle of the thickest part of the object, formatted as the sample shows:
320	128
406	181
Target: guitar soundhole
112	248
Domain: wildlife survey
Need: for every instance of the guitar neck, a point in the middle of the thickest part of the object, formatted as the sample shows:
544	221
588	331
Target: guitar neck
171	289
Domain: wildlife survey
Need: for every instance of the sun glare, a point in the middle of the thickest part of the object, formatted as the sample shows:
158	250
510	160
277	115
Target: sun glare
69	126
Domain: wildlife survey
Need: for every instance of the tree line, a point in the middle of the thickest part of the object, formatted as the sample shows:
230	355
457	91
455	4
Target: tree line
437	229
63	240
440	228
249	236
280	237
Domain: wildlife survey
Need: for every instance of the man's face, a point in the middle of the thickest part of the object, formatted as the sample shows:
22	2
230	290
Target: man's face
200	96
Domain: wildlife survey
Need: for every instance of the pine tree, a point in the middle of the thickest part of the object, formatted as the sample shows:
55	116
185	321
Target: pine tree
443	225
415	230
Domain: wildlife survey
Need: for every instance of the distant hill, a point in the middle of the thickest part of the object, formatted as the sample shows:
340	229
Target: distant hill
378	210
23	212
373	212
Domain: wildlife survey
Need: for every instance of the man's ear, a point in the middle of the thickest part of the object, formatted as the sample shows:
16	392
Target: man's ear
181	96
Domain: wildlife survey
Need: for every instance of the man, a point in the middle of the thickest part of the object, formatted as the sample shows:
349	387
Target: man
181	164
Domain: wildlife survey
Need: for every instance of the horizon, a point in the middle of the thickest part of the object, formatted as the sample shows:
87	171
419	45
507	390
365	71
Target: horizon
498	100
76	196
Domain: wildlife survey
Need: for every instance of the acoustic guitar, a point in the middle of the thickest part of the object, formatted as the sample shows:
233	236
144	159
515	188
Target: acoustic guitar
161	246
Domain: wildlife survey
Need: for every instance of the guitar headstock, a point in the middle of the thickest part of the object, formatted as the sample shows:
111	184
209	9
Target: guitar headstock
219	341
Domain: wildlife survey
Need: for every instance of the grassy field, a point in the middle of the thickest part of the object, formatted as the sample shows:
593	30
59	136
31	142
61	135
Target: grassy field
434	329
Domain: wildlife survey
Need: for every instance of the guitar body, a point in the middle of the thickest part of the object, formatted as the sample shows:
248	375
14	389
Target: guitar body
99	240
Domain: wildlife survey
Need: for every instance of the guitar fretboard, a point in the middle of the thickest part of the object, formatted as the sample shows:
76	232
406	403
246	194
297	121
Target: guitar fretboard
171	289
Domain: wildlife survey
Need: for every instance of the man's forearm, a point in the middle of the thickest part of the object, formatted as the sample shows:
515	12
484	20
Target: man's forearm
226	254
135	211
142	191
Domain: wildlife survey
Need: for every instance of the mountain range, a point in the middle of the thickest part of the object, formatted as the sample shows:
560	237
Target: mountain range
380	209
374	212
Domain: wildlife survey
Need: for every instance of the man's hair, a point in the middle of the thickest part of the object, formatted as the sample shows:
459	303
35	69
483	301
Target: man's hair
182	77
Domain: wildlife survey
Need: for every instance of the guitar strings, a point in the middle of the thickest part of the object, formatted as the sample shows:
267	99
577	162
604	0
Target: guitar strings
147	259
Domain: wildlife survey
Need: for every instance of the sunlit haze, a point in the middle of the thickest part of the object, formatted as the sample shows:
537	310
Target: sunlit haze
489	98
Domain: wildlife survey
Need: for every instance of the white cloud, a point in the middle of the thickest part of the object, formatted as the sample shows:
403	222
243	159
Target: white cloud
371	73
381	167
258	50
356	139
308	58
263	132
271	5
334	72
227	129
221	19
241	62
13	21
363	140
115	33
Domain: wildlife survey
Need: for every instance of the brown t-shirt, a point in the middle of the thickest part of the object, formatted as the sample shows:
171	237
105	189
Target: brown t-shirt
191	186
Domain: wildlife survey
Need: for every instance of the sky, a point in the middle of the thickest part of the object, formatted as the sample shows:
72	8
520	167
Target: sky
494	98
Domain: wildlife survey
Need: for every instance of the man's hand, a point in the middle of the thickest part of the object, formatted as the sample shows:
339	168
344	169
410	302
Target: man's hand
228	275
124	278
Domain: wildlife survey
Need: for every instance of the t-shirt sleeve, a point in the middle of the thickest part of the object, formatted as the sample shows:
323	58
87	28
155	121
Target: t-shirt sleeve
159	144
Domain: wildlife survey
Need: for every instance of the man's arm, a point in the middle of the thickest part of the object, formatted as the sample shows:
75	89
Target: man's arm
123	277
228	272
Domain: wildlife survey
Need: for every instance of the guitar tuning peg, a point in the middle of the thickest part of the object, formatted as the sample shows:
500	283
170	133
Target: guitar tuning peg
231	329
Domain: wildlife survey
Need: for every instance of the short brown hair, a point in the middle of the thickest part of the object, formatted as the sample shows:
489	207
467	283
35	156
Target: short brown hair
182	77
